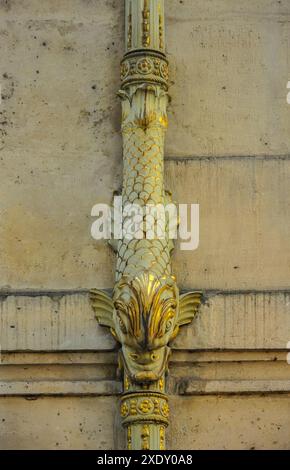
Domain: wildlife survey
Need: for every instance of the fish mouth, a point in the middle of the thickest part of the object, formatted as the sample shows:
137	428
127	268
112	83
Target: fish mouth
149	372
145	377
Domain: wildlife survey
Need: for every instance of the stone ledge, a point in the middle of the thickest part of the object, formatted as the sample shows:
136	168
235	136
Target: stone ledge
66	322
233	387
191	373
60	388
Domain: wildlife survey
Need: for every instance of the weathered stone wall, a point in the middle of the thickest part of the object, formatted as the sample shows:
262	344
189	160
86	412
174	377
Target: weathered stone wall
227	148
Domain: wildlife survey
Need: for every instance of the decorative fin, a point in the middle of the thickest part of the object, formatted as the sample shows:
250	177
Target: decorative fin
103	307
188	307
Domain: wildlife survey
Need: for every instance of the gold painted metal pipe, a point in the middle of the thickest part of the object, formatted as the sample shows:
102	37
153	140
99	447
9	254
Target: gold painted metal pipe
146	309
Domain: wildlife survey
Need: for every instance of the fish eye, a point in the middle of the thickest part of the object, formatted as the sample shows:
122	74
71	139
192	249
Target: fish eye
154	356
134	356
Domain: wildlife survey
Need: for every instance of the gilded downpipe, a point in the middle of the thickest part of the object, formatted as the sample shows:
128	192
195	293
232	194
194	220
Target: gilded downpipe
146	309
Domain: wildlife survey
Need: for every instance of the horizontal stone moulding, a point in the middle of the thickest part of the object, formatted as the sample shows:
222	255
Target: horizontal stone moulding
190	373
37	388
186	387
233	387
226	321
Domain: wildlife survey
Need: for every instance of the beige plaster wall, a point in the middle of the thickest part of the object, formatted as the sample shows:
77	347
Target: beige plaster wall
60	153
201	423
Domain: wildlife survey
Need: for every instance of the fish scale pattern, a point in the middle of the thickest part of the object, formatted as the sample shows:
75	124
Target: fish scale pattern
143	185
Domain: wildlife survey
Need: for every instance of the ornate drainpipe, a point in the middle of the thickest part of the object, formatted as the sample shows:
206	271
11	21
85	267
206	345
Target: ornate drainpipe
146	309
